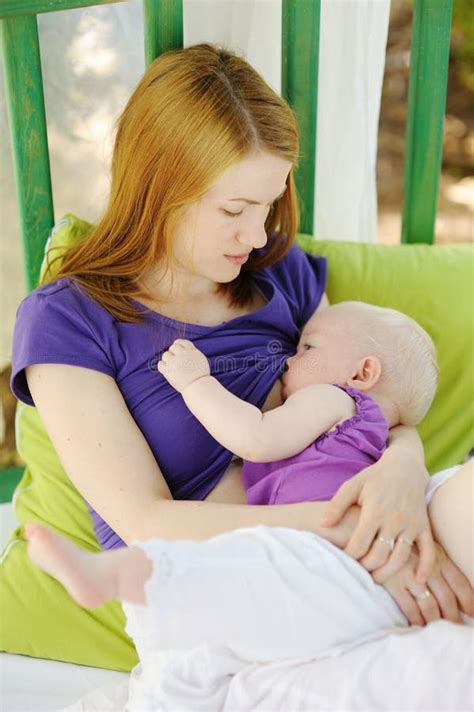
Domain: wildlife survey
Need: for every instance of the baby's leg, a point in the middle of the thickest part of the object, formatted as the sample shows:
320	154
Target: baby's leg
451	513
90	578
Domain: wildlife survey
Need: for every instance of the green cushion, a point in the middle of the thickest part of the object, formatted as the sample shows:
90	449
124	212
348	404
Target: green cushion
434	285
38	616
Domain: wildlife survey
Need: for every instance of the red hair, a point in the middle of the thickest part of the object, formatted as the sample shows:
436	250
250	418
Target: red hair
195	112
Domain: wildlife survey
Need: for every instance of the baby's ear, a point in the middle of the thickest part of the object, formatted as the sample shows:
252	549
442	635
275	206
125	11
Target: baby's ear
367	374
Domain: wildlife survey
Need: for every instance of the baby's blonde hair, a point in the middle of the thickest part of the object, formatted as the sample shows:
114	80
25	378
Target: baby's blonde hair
406	351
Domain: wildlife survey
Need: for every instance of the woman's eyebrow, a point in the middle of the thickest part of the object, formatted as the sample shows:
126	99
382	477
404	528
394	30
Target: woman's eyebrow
255	202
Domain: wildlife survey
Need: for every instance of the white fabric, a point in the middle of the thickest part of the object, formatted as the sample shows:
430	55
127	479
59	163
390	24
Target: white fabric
352	62
36	685
276	619
93	57
422	669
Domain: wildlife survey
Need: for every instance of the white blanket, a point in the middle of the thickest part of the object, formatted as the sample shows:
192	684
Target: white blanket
279	619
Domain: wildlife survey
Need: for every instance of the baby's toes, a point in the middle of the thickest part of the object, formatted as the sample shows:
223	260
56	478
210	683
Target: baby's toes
33	530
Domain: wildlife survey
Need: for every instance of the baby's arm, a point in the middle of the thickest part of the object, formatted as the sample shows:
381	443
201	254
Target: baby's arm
241	427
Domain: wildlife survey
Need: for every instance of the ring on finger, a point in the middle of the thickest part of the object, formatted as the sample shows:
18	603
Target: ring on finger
422	596
404	541
389	542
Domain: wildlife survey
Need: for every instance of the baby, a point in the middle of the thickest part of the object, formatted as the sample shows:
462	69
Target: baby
359	370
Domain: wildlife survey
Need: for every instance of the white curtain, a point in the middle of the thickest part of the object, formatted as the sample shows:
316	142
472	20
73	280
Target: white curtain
92	58
351	67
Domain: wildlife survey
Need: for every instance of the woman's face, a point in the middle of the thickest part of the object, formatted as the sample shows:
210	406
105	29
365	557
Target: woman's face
229	220
325	354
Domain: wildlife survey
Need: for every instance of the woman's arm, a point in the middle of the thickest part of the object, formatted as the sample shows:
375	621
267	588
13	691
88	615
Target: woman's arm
111	464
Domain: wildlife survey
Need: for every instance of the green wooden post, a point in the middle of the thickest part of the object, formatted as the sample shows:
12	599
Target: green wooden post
426	108
163	27
299	87
25	102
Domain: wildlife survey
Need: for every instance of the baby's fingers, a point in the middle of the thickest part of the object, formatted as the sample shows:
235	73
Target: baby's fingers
182	342
179	345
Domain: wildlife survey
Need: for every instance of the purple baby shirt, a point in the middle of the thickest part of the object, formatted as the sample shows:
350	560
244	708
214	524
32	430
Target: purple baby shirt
316	473
60	323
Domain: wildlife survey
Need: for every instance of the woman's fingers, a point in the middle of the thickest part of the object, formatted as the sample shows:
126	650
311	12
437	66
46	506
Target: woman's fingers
363	536
407	605
459	585
346	495
426	602
445	598
398	558
427	560
379	553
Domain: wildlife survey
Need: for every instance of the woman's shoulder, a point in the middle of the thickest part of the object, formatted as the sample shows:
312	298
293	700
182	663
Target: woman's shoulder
63	289
58	323
62	299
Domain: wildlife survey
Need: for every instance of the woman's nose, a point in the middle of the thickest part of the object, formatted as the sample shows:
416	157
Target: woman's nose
255	237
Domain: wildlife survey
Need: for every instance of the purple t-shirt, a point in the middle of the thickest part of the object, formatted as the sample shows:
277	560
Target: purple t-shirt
316	473
60	323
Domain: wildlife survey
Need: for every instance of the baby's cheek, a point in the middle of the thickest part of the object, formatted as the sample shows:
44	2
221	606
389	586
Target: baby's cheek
296	379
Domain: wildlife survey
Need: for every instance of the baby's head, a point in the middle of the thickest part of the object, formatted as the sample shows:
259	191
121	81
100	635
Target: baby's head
373	349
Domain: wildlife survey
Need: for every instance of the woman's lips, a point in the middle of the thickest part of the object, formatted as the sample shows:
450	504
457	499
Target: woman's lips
236	260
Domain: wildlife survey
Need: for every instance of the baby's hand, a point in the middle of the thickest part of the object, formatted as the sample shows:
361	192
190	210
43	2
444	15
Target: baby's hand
183	364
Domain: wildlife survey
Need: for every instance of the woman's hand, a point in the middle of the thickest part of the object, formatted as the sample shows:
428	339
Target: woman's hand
391	496
183	364
446	591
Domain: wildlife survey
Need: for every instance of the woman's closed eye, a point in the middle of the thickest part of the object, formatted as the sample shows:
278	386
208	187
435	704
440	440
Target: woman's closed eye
235	215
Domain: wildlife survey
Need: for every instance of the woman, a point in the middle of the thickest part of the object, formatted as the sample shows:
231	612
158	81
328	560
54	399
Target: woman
196	241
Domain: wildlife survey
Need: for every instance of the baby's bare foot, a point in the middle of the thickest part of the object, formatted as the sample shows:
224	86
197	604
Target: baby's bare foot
81	572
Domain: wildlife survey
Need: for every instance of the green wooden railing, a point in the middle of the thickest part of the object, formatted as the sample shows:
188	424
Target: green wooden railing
425	119
300	61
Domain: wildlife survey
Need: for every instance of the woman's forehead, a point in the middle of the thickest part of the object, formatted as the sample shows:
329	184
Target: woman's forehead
260	180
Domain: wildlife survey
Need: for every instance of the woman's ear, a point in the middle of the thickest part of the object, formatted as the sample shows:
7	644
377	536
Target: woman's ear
367	374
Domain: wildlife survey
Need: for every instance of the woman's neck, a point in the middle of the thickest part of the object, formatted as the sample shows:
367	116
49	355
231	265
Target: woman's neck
182	289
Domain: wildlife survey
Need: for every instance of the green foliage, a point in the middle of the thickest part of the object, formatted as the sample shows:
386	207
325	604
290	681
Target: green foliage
462	41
